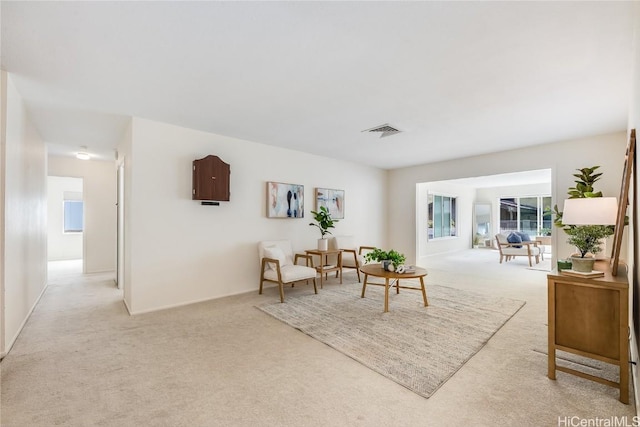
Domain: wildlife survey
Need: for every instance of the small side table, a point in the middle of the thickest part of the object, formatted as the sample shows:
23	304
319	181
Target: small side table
324	267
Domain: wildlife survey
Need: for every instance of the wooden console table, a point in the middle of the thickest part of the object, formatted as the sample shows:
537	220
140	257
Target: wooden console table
590	318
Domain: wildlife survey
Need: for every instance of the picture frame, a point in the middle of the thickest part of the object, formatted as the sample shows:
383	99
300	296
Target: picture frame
332	199
285	200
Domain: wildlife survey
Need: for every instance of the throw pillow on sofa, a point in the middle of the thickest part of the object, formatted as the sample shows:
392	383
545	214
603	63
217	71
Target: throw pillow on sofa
514	238
524	236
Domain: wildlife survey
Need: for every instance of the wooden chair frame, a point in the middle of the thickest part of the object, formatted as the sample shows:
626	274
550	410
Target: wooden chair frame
264	267
529	254
352	252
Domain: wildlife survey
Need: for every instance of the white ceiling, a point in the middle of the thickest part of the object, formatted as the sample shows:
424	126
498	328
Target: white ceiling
458	78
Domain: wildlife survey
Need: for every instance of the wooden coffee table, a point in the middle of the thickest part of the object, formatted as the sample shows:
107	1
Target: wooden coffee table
376	270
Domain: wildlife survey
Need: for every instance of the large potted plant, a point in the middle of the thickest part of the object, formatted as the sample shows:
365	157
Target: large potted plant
324	222
584	188
588	239
390	260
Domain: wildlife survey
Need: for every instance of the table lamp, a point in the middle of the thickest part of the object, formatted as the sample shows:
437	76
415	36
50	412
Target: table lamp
590	211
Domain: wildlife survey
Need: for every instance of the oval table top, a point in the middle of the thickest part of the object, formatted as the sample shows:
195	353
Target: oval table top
377	271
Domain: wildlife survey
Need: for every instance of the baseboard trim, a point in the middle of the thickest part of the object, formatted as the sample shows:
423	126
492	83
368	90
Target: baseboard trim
126	306
10	344
182	304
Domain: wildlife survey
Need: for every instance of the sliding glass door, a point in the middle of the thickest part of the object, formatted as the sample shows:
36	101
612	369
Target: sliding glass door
530	215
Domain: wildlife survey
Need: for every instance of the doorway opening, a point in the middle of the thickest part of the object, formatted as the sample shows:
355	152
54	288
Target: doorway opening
65	223
479	210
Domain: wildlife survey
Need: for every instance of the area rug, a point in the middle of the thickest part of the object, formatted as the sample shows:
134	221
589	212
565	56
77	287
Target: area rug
418	347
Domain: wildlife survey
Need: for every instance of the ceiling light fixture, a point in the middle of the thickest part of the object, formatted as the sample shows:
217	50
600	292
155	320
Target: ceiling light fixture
83	155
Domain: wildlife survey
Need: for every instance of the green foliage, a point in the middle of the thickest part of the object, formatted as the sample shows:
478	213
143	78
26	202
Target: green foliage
584	237
323	220
378	255
583	188
584	183
477	239
587	237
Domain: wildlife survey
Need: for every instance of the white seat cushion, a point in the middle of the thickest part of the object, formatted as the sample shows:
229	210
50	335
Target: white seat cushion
276	253
291	273
510	250
502	239
346	242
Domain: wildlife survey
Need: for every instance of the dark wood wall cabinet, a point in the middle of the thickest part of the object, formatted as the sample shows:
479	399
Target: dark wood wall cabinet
590	318
211	180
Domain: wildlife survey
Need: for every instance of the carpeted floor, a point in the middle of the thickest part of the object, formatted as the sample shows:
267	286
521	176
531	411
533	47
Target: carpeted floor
82	361
418	347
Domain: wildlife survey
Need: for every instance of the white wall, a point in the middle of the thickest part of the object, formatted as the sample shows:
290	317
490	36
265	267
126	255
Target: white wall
61	245
99	191
25	213
3	170
561	157
125	159
181	252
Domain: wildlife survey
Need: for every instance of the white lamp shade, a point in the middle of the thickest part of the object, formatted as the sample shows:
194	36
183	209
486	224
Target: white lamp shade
590	211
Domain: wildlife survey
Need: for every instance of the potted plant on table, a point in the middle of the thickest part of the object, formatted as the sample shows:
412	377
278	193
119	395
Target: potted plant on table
324	222
389	260
588	239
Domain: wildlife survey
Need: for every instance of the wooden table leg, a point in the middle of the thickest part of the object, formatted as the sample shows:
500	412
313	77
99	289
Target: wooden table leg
624	355
386	294
624	381
424	292
364	285
397	286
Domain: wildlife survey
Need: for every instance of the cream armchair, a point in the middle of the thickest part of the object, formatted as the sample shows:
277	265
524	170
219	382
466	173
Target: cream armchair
352	256
510	250
278	265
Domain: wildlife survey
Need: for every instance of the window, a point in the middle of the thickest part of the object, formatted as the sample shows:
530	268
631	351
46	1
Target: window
531	215
442	216
73	216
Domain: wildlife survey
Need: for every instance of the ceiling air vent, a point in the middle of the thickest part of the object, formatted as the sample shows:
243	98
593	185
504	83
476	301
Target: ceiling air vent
384	130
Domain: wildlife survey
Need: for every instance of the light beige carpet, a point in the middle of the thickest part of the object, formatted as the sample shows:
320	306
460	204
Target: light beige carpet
418	347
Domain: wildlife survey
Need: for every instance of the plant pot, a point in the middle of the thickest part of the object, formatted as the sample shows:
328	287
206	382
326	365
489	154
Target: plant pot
323	244
387	265
583	265
564	264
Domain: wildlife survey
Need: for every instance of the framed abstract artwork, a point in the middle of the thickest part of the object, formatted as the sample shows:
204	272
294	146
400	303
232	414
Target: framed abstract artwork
285	200
331	199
